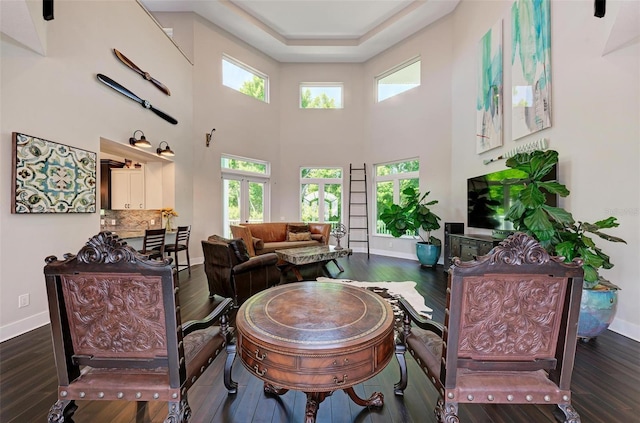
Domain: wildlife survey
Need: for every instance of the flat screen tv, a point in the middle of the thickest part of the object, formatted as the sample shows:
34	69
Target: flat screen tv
490	196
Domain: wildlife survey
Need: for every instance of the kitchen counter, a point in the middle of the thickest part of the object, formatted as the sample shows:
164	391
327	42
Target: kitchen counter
130	234
135	237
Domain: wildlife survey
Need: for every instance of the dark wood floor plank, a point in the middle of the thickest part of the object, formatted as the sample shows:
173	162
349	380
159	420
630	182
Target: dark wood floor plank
606	382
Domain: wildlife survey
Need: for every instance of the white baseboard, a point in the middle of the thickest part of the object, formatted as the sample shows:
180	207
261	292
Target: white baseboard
22	326
624	328
408	256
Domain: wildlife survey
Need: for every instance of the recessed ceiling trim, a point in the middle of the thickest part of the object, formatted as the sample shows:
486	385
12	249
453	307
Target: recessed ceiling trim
253	20
322	42
391	20
336	32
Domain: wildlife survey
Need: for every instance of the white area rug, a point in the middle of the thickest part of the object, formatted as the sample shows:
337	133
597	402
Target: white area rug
394	289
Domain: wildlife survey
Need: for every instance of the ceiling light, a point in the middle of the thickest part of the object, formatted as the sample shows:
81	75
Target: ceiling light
166	151
142	142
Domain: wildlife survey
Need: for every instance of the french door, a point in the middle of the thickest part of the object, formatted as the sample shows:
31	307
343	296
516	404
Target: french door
245	199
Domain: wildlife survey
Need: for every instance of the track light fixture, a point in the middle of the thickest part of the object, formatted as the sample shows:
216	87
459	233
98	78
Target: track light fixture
142	142
209	136
166	151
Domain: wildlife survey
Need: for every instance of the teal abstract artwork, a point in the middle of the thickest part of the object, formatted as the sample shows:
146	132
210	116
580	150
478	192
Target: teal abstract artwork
530	67
489	96
52	178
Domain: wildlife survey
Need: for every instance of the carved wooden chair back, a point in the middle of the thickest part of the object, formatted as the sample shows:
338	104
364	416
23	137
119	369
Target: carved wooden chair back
509	334
115	314
153	244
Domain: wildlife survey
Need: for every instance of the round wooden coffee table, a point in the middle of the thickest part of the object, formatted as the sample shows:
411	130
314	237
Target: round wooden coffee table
316	337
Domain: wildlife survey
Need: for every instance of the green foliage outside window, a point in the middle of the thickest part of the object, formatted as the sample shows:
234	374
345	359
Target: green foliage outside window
245	165
385	188
254	88
322	101
398	167
233	189
310	195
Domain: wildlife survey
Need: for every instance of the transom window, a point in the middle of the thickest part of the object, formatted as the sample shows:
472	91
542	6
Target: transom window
246	166
390	180
321	96
399	79
321	194
245	79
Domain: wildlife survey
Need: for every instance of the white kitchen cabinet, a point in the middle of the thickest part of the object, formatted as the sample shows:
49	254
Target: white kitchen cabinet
127	189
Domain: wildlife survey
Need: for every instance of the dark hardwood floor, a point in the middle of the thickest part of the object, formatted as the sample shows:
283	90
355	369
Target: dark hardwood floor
606	379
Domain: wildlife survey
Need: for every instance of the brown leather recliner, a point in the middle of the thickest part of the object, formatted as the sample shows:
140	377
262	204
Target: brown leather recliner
232	273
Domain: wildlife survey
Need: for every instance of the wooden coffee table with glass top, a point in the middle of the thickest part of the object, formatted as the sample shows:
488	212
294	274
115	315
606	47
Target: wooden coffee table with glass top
295	258
316	337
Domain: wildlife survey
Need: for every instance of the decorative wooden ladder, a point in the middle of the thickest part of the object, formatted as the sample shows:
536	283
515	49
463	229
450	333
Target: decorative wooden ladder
358	206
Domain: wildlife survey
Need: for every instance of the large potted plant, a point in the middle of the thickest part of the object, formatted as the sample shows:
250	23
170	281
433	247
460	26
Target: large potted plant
556	230
410	218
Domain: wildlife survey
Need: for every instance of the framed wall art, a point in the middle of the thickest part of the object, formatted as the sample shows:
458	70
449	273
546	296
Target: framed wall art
49	177
490	85
530	67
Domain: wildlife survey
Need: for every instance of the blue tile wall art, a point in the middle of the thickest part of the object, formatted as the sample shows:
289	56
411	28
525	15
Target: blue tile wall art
49	177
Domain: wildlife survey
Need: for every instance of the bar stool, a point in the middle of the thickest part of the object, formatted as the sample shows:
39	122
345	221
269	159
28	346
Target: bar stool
181	244
153	244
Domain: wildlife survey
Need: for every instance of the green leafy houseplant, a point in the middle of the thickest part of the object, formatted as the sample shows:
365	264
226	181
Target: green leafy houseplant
412	216
554	227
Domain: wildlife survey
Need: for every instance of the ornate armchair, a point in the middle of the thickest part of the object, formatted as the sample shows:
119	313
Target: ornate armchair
509	335
117	332
232	273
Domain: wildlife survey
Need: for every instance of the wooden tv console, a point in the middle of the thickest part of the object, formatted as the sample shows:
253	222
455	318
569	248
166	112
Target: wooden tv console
468	247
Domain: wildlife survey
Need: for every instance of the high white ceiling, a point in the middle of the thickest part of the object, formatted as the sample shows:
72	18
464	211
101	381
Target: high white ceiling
315	30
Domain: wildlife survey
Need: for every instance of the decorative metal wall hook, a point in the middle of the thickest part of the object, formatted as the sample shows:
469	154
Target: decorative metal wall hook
209	136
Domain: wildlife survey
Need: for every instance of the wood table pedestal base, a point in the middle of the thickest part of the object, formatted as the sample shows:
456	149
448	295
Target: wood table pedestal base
315	398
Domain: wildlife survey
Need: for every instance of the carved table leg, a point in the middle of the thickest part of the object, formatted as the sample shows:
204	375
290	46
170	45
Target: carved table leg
313	402
270	389
62	411
229	383
375	400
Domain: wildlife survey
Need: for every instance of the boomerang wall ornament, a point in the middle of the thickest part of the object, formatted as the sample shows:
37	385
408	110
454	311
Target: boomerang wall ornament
159	85
145	103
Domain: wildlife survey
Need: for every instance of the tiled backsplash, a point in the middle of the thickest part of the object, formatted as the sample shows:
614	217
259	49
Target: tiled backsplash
129	220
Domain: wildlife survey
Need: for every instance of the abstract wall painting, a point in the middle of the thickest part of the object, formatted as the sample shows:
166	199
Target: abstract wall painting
51	178
489	96
530	67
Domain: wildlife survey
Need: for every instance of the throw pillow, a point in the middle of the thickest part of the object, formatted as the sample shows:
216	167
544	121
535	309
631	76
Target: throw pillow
301	236
298	227
316	237
239	249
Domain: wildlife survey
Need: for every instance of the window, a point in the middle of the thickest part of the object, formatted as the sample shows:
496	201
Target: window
390	180
243	78
321	96
321	195
245	191
399	79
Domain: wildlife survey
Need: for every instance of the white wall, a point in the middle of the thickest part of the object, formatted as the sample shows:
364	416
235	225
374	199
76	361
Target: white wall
317	137
414	123
58	98
595	127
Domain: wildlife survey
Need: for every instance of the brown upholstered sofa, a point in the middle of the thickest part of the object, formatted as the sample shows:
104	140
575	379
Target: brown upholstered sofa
232	273
263	238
